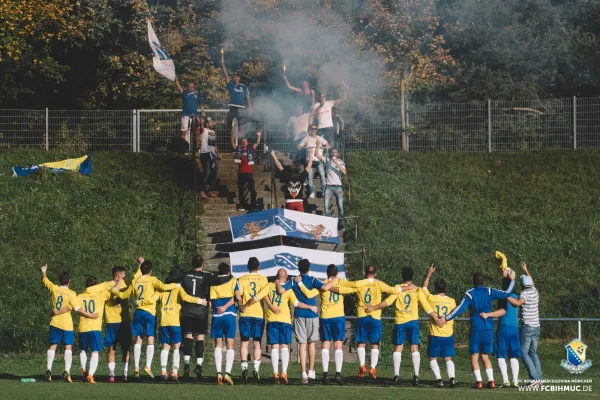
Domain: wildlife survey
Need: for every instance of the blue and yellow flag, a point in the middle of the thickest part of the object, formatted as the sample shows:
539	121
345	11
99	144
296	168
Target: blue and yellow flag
81	164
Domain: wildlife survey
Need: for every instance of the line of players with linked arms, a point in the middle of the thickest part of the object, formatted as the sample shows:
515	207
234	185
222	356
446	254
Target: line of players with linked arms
252	292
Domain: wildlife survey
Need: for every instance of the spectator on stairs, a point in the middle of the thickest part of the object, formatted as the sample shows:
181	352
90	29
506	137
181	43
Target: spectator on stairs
296	130
324	115
209	159
334	169
244	157
312	141
294	183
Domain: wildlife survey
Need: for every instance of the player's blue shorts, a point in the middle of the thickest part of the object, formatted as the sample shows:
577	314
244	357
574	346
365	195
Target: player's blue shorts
507	342
279	333
144	324
481	342
170	334
223	326
251	328
408	330
368	329
91	339
332	329
439	346
60	336
117	333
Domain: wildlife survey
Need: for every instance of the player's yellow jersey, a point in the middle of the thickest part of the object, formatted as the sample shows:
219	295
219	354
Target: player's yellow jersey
332	304
145	287
407	305
370	294
250	285
116	309
92	301
61	296
281	301
442	306
171	305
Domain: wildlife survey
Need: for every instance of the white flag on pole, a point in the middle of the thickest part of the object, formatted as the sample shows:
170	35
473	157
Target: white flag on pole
163	64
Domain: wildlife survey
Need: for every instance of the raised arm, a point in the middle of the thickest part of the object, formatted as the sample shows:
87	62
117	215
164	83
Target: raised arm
526	270
430	272
179	88
276	161
503	294
258	136
295	89
224	68
344	97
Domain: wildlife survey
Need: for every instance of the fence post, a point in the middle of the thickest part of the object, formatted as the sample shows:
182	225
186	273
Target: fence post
489	107
47	144
574	123
579	329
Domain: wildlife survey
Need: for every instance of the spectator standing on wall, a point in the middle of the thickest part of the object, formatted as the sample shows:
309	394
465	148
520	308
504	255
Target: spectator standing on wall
191	99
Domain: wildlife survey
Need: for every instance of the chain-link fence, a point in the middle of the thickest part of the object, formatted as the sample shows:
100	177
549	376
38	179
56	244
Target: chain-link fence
458	127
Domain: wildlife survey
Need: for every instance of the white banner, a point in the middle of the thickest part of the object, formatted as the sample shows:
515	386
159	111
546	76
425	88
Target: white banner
280	222
163	64
273	258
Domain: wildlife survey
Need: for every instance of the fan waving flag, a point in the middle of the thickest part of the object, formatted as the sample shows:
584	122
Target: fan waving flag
273	258
163	64
280	222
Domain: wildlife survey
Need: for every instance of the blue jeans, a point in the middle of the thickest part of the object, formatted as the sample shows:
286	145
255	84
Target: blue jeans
530	337
210	172
311	177
338	192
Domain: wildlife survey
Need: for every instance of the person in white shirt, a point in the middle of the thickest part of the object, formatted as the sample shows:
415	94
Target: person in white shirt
296	130
324	115
209	159
334	169
312	141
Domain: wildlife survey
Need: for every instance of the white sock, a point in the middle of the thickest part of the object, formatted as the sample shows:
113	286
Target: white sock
285	359
164	360
397	358
256	365
137	353
186	359
218	353
244	365
69	361
477	373
229	358
111	368
149	355
83	360
275	360
490	374
125	368
416	359
450	369
374	357
199	361
325	359
514	368
435	368
94	363
503	369
50	359
361	355
339	360
176	359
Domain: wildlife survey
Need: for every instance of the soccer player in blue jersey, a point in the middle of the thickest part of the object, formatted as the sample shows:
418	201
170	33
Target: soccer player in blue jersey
481	339
507	341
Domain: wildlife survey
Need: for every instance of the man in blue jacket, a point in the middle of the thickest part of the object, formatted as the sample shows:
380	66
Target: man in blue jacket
481	339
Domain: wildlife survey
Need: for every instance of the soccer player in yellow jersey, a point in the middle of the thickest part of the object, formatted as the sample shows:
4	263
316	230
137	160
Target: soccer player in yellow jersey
92	299
279	322
251	322
407	322
441	339
170	329
144	317
332	326
368	324
61	325
223	321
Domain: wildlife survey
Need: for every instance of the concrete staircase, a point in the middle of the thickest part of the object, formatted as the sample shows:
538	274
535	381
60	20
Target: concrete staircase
215	236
